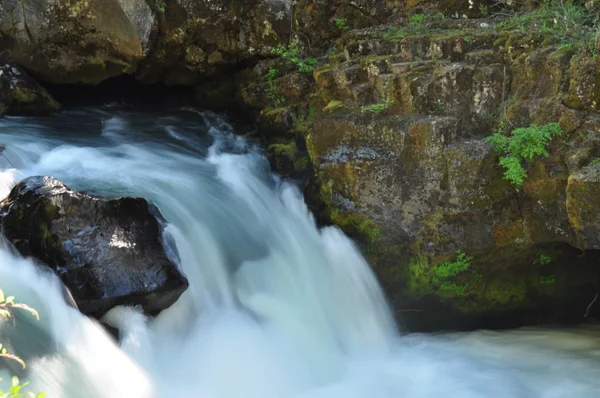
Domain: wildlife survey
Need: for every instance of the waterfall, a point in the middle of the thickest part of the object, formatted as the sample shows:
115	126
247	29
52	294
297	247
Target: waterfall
276	306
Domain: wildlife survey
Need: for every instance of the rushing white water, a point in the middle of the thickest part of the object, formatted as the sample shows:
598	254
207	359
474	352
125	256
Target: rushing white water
275	308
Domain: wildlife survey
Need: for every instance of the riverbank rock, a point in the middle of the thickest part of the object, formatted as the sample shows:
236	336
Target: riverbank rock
394	122
20	94
106	252
75	41
203	38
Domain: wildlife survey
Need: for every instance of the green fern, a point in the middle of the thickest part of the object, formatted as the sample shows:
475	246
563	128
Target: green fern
522	146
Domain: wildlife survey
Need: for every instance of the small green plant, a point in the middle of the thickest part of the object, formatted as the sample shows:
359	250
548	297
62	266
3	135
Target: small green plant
438	18
457	290
548	280
417	19
449	269
544	259
161	6
522	146
377	108
333	105
7	305
438	107
272	95
567	21
483	10
395	33
272	74
15	390
595	162
291	54
415	26
311	115
275	99
340	23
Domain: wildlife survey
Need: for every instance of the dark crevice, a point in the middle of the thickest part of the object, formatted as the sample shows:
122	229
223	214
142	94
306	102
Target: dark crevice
123	89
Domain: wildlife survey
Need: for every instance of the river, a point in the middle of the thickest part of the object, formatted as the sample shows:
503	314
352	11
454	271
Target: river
276	306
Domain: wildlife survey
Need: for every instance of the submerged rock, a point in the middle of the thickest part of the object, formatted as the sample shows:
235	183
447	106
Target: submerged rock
106	252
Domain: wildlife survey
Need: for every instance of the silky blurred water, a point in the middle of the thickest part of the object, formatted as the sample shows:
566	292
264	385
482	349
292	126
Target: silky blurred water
276	307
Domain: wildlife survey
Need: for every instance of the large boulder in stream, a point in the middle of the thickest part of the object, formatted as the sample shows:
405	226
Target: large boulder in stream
107	252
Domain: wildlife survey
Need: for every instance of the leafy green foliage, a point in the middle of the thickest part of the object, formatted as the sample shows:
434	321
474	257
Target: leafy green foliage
272	94
415	26
7	305
522	146
417	19
438	18
377	108
15	390
452	268
595	162
483	10
161	6
548	279
515	172
291	53
544	259
444	272
569	22
333	105
458	290
438	107
340	23
272	74
396	33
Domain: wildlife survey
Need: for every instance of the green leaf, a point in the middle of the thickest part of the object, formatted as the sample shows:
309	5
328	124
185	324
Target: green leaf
1	296
514	170
15	381
10	299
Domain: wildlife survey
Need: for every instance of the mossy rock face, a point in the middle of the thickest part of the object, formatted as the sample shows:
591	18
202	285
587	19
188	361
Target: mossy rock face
76	41
317	19
413	191
399	152
20	94
584	88
106	252
582	206
499	289
203	38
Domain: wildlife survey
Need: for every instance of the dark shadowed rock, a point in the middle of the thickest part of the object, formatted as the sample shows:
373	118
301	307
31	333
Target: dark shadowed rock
107	252
20	93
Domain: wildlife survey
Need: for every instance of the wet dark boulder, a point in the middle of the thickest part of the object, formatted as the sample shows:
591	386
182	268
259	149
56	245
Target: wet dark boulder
107	252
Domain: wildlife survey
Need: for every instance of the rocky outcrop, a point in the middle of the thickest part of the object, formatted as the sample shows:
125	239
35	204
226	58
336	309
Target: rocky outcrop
75	41
106	252
20	94
395	124
200	38
180	42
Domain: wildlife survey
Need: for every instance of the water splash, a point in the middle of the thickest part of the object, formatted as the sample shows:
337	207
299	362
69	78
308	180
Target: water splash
276	307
